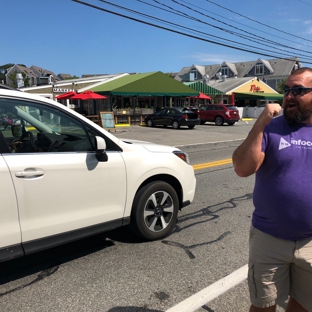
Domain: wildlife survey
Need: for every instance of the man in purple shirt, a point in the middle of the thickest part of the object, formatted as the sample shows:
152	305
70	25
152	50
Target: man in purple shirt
279	151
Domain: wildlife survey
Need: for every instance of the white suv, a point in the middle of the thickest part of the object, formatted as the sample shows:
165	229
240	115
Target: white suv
63	178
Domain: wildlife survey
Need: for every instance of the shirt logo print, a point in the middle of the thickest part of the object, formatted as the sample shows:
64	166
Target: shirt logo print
283	144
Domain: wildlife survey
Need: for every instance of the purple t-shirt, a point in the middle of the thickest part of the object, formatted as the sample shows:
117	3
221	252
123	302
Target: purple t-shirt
283	188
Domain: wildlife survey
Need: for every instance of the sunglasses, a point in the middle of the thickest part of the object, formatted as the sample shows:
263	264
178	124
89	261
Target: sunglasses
296	90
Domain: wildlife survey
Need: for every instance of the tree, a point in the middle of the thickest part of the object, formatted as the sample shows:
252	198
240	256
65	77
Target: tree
280	85
170	74
3	71
72	77
12	77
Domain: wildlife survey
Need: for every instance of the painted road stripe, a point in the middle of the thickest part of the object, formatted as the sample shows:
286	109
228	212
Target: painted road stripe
213	142
211	292
213	164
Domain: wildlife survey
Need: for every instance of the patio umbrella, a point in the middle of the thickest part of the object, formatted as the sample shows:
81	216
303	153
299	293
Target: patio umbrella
88	94
202	96
65	96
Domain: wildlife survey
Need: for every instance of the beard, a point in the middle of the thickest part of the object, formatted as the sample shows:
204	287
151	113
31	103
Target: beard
298	116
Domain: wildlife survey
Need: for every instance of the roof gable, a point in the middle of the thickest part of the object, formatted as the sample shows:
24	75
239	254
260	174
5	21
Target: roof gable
263	62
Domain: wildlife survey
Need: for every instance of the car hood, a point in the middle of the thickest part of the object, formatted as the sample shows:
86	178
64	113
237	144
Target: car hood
151	147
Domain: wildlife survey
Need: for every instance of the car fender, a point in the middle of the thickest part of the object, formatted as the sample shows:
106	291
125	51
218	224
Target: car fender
155	164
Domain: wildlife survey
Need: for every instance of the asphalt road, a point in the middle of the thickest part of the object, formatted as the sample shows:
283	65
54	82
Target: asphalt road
116	272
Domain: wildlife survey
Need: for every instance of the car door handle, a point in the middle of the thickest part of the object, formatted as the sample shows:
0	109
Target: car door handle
30	173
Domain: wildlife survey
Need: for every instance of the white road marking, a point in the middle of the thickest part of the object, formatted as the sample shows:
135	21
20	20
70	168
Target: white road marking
203	143
211	292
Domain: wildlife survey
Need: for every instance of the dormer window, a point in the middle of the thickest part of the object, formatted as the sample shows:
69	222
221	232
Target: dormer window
194	72
259	69
224	71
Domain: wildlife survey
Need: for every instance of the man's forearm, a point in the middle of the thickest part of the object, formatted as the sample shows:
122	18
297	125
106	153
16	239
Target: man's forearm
248	157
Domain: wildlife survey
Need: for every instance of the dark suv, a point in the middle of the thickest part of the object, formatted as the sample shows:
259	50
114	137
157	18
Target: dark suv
219	114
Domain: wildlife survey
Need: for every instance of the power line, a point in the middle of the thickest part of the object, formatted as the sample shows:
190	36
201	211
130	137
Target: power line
224	29
262	31
253	35
194	30
179	32
257	21
305	2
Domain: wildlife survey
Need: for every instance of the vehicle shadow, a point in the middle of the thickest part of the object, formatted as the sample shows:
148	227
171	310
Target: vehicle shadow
214	125
47	262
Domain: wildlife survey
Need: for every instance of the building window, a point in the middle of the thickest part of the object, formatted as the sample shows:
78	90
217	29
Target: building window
224	71
194	72
259	69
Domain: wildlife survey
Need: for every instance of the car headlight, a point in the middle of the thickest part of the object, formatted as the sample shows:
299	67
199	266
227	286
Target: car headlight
182	155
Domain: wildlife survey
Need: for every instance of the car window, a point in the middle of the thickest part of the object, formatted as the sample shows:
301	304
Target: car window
232	107
204	108
162	111
34	127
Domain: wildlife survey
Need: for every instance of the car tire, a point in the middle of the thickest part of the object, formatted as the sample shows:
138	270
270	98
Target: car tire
154	211
231	123
149	123
191	126
219	121
175	124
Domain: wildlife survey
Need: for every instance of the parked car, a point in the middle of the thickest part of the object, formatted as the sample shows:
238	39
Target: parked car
191	108
219	114
63	177
173	116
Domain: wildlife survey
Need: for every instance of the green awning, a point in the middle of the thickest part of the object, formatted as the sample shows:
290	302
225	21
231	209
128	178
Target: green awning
147	84
202	87
258	95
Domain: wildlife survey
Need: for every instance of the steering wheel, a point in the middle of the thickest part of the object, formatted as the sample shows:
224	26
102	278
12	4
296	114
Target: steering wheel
27	143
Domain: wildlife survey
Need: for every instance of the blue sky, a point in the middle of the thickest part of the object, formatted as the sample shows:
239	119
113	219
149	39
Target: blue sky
68	37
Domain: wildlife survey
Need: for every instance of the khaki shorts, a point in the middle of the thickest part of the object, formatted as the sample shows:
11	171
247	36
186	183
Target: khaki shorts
278	268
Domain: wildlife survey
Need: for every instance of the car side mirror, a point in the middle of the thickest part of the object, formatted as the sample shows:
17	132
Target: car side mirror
100	147
17	131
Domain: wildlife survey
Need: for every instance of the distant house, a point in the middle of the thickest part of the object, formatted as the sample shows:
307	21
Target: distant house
29	75
33	76
64	76
44	76
269	71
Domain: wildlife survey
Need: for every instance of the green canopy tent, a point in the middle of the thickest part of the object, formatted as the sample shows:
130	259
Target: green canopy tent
147	84
202	87
153	84
258	95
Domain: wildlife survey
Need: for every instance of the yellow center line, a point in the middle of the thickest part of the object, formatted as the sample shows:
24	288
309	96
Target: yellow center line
213	164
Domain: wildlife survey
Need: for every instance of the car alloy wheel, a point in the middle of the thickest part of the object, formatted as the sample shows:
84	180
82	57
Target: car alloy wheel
154	211
149	123
219	121
175	124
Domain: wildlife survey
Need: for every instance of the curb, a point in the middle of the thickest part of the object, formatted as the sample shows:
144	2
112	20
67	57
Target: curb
122	125
247	119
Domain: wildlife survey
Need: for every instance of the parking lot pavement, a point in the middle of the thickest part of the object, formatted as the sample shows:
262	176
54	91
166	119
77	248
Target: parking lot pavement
201	134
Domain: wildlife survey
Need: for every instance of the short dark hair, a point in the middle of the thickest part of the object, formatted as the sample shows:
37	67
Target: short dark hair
301	70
